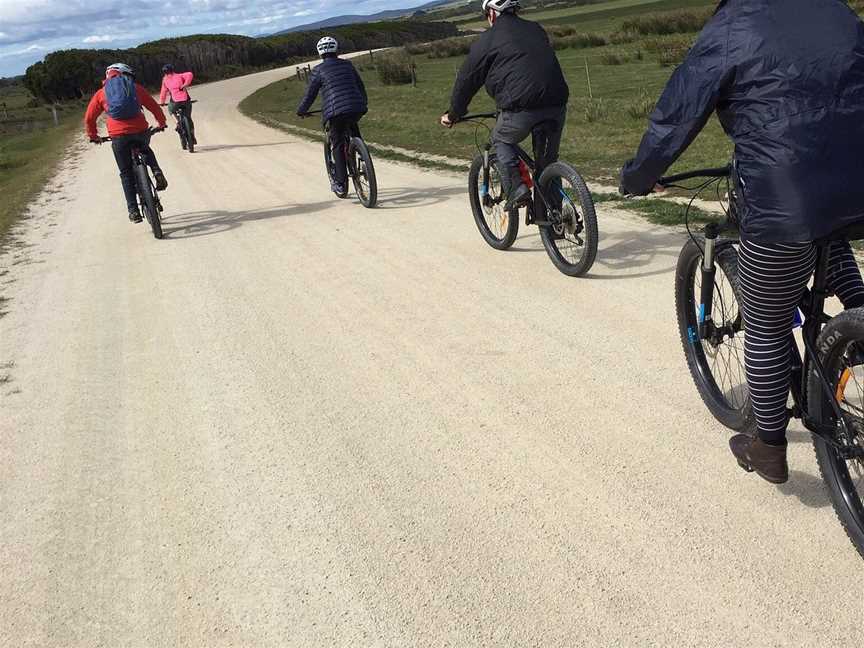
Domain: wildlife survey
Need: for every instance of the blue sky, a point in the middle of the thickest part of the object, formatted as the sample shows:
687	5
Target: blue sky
29	29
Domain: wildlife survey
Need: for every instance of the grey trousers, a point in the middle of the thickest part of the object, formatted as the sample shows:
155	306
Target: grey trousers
546	127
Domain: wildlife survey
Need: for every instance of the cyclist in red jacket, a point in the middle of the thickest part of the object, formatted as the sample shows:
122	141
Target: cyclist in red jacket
122	98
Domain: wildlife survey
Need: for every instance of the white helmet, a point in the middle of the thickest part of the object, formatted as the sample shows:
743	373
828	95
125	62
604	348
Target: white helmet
500	5
327	45
122	68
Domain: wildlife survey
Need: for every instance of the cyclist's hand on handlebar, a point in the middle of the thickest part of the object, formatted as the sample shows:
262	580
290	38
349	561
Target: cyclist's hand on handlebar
659	188
446	122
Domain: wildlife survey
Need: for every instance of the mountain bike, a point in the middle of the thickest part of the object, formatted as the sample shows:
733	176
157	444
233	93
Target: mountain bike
361	169
562	206
184	127
827	380
148	197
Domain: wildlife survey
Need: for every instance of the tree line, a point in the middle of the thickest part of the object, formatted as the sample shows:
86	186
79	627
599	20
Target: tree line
77	73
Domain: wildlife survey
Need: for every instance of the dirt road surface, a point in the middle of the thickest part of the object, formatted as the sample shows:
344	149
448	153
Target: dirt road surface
297	422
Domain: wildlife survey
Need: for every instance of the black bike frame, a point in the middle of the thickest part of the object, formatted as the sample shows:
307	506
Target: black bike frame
812	305
532	167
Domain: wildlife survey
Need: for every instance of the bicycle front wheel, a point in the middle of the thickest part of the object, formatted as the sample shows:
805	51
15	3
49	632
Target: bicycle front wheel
716	364
841	349
148	200
571	238
363	172
498	227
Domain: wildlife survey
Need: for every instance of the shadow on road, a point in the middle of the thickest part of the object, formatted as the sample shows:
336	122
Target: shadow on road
809	490
228	147
623	252
407	198
204	223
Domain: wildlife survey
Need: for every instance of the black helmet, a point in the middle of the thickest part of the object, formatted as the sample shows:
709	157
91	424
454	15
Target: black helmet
168	69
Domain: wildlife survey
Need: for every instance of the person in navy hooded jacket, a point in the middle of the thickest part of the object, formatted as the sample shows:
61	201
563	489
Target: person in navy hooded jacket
786	79
344	102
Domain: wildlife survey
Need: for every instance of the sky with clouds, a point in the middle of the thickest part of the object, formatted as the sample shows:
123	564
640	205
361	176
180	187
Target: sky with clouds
29	29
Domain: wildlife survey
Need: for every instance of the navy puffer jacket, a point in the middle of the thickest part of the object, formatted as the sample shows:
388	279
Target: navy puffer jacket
342	90
786	78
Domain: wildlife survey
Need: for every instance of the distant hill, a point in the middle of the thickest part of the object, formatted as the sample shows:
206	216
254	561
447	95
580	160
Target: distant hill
337	21
73	74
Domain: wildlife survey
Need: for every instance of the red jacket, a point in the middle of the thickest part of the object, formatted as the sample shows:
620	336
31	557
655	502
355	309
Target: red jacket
118	127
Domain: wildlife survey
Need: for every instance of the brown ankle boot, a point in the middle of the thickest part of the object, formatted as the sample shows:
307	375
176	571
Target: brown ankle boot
767	461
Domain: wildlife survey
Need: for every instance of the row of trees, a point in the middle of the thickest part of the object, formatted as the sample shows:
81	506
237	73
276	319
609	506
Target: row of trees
73	74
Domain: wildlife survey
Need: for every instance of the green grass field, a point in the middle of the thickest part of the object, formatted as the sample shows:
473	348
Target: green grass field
603	17
600	135
30	148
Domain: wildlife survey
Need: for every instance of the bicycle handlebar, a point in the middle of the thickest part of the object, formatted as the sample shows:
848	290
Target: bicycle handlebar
309	113
478	116
151	131
719	172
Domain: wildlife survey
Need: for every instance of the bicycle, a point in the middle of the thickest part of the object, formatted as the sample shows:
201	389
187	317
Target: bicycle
568	229
184	127
711	326
148	197
361	169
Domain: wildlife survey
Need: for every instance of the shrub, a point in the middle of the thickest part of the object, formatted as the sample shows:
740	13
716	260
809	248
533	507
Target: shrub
393	70
613	57
669	50
594	110
668	22
578	41
641	106
446	48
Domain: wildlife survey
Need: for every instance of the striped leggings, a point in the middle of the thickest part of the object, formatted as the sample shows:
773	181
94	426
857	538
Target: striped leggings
773	278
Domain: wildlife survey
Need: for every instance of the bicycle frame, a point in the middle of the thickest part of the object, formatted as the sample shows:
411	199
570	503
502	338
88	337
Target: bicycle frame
544	204
811	305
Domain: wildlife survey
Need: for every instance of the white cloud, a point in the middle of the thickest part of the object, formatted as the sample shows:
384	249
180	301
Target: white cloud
31	27
99	39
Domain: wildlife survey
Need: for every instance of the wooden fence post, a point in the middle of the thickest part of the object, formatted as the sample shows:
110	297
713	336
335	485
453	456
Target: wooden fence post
371	56
588	75
54	114
414	74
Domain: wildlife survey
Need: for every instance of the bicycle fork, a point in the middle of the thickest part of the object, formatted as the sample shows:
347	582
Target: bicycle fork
709	271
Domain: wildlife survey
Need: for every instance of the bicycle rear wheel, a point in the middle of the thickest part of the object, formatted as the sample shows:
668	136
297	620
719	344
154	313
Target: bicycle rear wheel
571	242
363	172
717	364
841	348
148	200
330	165
498	227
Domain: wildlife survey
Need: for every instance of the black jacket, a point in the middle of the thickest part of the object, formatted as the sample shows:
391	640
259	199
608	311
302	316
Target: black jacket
518	65
342	90
786	78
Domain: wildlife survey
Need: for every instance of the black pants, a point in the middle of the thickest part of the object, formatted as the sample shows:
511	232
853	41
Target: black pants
773	277
180	108
340	128
545	126
122	147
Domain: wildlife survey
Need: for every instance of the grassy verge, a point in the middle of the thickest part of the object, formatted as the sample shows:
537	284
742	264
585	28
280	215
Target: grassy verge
601	132
28	158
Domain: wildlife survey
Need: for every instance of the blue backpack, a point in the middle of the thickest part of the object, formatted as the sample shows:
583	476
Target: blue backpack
122	98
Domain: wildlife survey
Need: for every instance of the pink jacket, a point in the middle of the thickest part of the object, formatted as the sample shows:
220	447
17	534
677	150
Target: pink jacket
176	85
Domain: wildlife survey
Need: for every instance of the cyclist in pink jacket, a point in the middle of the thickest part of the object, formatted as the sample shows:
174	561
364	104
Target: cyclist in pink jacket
179	102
